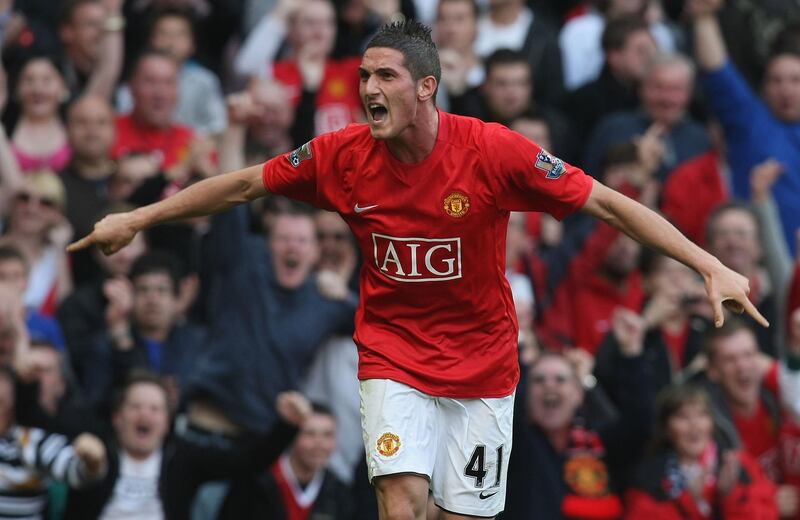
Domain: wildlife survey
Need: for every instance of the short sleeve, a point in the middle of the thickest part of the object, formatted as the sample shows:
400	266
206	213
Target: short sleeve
302	173
525	177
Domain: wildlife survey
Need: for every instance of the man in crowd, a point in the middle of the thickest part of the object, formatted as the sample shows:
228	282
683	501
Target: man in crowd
756	128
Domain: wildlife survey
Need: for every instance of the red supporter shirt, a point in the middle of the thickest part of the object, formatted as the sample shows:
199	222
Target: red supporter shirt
174	142
337	101
436	311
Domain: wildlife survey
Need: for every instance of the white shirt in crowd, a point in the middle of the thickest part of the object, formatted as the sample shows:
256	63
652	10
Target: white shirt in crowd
492	37
135	495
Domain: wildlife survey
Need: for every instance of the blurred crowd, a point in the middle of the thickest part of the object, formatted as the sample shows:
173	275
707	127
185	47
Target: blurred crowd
159	381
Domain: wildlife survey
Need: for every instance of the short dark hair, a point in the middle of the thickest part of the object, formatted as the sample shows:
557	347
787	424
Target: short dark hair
505	57
787	42
618	30
733	205
618	154
414	41
158	262
148	53
322	409
9	252
733	325
668	403
137	377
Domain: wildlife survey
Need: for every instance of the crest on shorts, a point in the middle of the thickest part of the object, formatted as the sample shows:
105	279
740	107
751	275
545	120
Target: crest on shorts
552	166
587	476
300	155
456	204
388	444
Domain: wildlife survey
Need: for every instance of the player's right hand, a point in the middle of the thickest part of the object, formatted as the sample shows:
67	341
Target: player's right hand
110	234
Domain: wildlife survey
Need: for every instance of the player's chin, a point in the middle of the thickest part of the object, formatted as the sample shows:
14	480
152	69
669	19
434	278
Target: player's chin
379	130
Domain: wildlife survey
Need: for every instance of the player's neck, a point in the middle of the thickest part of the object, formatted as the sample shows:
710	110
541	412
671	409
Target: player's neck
417	141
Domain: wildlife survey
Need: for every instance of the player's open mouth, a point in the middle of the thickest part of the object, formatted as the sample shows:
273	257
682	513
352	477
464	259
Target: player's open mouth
377	111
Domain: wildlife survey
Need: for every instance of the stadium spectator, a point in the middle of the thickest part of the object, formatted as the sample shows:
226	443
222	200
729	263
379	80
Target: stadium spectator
144	330
130	487
150	128
10	174
90	128
690	475
755	402
200	102
90	32
581	37
670	330
269	124
14	277
299	484
38	228
510	24
756	128
665	93
39	139
456	30
563	466
82	314
32	458
628	46
535	126
733	234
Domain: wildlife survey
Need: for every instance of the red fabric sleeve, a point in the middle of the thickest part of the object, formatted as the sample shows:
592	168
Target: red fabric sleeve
527	178
305	174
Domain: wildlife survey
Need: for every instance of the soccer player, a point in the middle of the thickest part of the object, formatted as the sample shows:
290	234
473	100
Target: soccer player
428	195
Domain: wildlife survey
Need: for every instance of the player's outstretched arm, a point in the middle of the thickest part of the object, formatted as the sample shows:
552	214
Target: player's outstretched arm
204	198
724	286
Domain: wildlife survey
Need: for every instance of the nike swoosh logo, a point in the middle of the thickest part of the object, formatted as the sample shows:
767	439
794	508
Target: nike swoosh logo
484	497
362	209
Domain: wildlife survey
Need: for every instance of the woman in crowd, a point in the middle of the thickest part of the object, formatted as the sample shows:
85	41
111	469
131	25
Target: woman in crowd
692	476
39	139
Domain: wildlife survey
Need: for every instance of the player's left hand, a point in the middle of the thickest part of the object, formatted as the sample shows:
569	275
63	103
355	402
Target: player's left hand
730	289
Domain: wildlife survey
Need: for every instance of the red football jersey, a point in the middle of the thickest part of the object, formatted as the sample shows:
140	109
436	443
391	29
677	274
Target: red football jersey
436	311
174	142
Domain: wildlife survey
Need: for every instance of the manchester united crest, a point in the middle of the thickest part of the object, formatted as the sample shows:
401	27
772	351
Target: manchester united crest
456	204
388	444
587	476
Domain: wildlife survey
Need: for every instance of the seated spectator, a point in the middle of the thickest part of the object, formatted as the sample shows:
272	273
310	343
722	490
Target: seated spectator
755	404
90	128
14	275
456	30
150	128
535	126
91	35
39	139
563	466
665	93
628	46
692	476
510	24
82	314
37	227
144	330
670	329
581	37
32	457
299	484
756	128
200	102
733	235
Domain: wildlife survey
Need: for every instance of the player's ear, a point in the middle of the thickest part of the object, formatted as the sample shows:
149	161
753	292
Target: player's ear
426	88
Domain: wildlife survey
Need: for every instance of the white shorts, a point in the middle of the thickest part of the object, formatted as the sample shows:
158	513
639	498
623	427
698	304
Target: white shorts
461	445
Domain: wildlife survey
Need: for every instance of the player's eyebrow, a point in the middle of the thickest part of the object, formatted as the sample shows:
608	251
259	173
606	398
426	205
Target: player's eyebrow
362	72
